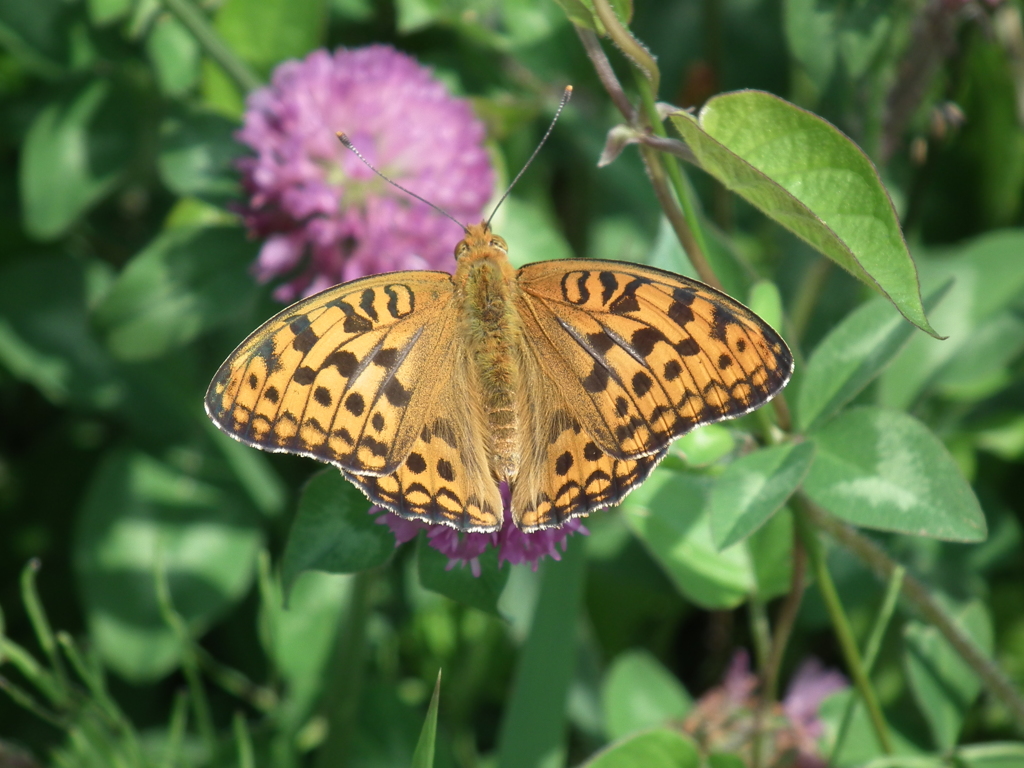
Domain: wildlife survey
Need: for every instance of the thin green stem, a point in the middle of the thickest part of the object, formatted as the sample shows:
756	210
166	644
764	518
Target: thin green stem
633	49
687	226
892	594
196	22
786	618
189	662
807	296
246	753
994	679
760	631
841	625
341	699
41	625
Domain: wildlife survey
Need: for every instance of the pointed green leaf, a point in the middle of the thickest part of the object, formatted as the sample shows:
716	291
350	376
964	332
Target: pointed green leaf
885	469
668	513
334	531
638	692
851	356
661	748
988	280
460	582
75	153
423	757
810	178
753	488
137	512
943	684
185	282
995	754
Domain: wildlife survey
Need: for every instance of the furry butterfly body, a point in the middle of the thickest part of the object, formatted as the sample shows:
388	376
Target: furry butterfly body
567	380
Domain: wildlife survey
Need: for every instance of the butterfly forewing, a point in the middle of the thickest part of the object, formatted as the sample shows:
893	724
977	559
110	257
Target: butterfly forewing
347	376
646	355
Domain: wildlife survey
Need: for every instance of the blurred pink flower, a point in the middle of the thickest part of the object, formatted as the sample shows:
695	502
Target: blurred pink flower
726	717
325	217
512	544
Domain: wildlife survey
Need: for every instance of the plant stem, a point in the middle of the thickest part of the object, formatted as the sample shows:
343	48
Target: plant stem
196	22
841	624
807	296
892	593
994	679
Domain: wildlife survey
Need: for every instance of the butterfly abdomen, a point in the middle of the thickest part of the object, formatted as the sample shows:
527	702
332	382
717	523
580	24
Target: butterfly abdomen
493	334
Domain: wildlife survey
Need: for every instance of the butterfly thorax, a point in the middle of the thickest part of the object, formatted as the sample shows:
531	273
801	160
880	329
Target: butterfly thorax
485	286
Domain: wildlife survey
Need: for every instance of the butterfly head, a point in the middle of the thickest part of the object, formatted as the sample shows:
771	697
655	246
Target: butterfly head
479	242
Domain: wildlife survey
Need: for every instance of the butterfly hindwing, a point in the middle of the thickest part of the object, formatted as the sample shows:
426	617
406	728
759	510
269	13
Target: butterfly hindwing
645	355
445	478
347	376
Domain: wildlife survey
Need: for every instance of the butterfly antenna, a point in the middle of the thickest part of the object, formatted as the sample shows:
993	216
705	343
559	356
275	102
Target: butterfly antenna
566	95
349	145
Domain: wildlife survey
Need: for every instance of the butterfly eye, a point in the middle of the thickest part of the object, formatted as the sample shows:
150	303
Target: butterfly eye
497	242
460	250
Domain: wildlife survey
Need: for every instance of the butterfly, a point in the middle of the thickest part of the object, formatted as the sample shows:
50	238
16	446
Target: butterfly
566	379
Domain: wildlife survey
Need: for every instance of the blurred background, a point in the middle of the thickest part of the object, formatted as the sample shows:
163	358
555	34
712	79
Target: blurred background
126	277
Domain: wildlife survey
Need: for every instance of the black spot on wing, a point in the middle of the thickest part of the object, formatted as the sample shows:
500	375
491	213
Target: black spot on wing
608	285
445	470
355	404
688	347
323	396
397	394
415	463
344	361
272	394
563	464
304	375
645	338
366	304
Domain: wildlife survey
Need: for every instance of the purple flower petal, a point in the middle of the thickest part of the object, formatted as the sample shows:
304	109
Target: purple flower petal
513	545
320	207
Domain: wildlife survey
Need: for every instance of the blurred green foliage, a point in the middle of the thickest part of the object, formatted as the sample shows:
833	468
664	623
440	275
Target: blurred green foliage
209	605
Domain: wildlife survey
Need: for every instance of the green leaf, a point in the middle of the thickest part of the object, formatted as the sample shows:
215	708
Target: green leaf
705	445
264	33
175	55
638	693
766	302
184	283
138	512
995	754
771	553
661	748
810	178
36	34
299	639
533	730
810	27
334	531
753	488
851	356
668	513
459	583
197	155
423	757
75	153
45	337
988	280
943	684
861	743
885	469
103	12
